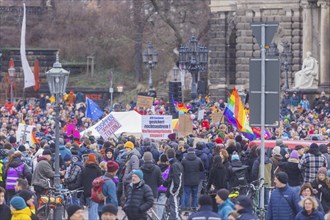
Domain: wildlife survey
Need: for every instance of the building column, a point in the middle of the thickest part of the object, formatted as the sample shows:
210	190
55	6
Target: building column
307	28
324	69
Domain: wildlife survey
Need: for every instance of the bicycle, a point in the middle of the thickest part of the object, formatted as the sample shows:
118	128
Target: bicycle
48	203
68	197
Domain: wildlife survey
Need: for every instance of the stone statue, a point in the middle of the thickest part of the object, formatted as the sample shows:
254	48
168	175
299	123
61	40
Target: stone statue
308	76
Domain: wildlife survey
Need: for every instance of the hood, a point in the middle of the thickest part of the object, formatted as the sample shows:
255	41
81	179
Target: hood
190	156
236	163
62	147
135	152
16	162
226	203
148	166
199	152
277	157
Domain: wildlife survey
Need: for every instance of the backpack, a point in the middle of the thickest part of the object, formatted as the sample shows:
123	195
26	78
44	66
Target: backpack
97	189
239	176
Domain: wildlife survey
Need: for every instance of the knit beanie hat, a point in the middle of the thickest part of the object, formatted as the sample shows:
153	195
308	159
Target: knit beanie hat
129	145
282	177
18	202
112	166
147	156
322	170
277	150
139	173
91	158
67	157
110	208
223	194
244	201
72	209
234	157
294	154
26	194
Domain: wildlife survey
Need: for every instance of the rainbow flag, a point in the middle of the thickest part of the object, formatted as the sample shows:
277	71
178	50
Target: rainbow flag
235	114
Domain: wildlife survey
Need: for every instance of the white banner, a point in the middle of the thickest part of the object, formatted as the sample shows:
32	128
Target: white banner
108	126
156	126
28	75
24	132
200	114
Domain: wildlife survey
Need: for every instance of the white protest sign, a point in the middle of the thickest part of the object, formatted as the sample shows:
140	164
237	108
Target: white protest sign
200	114
108	126
24	132
156	126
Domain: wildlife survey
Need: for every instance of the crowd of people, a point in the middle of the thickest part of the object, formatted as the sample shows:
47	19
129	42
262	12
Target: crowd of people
189	176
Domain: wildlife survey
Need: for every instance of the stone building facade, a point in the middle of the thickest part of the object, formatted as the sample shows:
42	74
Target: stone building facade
303	23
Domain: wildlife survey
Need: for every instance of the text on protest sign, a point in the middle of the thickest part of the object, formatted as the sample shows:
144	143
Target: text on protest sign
156	126
24	133
144	101
108	126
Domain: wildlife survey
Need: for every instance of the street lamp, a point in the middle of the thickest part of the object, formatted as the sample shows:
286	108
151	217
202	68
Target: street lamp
150	60
286	62
12	73
57	78
194	58
175	73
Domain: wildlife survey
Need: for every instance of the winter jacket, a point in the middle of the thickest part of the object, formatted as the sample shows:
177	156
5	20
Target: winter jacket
5	212
64	151
310	163
16	169
89	173
294	174
315	215
235	167
247	214
174	181
109	190
280	203
192	166
225	209
73	181
206	212
23	214
323	194
139	200
132	163
269	170
217	178
152	176
42	173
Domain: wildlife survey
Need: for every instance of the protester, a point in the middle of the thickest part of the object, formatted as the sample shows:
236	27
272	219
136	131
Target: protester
225	205
205	209
5	212
109	212
322	186
309	210
243	206
75	212
19	209
139	198
283	203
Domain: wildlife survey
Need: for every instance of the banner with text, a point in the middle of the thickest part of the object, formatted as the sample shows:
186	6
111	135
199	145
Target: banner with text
108	126
156	126
144	101
24	133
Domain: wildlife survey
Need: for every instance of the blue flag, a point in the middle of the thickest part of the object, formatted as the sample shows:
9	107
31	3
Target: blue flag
93	111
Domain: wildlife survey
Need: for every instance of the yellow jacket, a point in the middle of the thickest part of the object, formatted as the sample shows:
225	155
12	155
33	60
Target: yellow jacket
23	214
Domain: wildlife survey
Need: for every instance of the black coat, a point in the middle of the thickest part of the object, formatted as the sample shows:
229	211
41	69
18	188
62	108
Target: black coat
192	166
174	181
5	212
294	173
246	214
152	176
139	200
89	173
217	178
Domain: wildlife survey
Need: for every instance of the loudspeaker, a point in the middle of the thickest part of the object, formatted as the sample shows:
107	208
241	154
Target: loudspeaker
201	87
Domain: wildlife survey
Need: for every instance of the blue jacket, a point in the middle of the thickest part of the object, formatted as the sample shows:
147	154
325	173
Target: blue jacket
281	201
225	208
109	189
315	215
64	151
247	214
206	212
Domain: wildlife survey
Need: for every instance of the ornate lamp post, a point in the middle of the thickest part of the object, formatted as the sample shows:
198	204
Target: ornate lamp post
194	58
175	73
150	60
12	73
286	62
57	78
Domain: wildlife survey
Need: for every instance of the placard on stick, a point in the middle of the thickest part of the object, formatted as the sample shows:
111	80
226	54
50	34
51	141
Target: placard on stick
144	101
185	125
218	117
